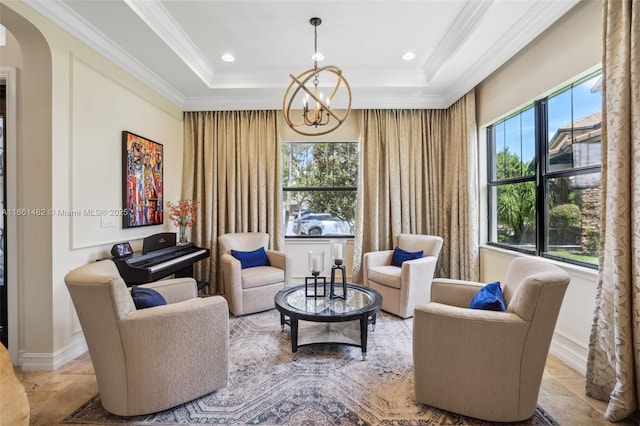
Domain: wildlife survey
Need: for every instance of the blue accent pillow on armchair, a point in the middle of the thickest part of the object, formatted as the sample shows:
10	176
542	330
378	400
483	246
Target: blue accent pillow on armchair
400	256
249	259
489	298
144	297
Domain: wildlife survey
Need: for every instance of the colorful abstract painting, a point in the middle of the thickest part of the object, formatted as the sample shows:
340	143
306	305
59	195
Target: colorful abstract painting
143	182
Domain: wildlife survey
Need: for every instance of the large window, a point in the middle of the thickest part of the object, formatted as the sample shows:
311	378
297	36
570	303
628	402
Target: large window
319	188
544	175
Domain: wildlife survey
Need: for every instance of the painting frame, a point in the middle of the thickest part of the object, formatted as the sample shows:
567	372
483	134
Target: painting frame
142	181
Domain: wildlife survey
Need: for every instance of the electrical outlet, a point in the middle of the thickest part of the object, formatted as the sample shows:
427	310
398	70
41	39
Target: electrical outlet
106	221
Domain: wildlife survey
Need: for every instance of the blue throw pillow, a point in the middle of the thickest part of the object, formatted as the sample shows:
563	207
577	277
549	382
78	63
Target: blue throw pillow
144	297
249	259
400	256
489	298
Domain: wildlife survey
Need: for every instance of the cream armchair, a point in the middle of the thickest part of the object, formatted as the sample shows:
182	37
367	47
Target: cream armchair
403	287
14	404
152	359
488	364
253	289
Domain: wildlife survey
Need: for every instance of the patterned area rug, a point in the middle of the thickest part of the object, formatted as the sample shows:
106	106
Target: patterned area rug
328	384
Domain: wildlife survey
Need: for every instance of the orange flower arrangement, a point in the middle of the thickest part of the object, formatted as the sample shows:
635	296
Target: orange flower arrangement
183	213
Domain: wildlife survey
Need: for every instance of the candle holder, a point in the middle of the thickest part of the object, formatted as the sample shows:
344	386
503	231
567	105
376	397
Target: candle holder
337	253
316	266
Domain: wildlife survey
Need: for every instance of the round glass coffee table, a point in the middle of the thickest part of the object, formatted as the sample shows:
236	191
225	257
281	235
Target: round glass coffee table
361	304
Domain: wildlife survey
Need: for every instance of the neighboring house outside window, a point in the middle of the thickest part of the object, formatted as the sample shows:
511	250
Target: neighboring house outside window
544	175
319	188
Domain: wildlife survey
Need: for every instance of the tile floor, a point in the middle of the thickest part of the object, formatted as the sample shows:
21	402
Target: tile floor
562	396
55	394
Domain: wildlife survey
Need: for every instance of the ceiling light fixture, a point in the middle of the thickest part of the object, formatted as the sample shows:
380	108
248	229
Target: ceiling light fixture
320	118
228	57
408	56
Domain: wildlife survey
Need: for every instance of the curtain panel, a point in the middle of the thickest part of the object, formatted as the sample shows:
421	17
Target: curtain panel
232	166
613	364
418	175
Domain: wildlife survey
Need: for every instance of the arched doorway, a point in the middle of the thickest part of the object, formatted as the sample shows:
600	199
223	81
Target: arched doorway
4	319
8	192
26	69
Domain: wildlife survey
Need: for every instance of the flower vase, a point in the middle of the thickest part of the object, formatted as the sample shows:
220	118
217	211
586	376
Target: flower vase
183	234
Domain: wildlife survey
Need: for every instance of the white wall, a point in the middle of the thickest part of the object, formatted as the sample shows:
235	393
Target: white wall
70	158
101	107
299	249
569	48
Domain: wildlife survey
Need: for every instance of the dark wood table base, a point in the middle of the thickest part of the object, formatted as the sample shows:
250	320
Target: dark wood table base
366	303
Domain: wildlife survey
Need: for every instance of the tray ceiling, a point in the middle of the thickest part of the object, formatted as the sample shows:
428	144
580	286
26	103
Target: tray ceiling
176	46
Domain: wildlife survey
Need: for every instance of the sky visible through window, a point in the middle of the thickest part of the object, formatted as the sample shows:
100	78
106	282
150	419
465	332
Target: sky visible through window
517	132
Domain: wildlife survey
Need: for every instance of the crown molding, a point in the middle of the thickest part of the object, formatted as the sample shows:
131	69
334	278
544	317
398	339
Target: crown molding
362	100
164	26
461	29
228	92
401	101
67	19
540	17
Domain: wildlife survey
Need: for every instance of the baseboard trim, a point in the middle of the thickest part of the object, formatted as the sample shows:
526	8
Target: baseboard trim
570	352
52	361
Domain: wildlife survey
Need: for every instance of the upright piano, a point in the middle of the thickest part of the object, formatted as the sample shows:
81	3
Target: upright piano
159	258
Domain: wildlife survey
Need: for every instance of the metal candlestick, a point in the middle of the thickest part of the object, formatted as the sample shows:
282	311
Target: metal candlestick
338	266
315	278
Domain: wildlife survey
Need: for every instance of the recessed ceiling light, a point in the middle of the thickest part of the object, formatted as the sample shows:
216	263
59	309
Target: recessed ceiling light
317	57
228	57
408	56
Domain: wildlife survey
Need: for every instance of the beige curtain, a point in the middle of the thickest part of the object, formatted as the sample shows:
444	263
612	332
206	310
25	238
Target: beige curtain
613	368
232	166
418	174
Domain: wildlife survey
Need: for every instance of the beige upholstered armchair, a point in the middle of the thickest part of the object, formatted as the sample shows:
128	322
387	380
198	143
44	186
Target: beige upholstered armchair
14	405
488	364
152	359
405	286
252	289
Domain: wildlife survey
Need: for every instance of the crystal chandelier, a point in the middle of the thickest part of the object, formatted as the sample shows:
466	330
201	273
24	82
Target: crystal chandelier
318	117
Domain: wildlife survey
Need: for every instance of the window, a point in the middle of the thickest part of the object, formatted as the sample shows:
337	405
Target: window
544	175
319	187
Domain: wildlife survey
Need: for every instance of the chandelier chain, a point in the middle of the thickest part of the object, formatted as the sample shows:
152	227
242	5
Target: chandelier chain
315	52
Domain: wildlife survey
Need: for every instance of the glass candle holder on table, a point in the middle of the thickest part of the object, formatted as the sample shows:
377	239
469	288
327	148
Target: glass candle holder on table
316	266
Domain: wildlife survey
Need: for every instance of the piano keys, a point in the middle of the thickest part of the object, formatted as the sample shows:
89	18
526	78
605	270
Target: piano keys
159	258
